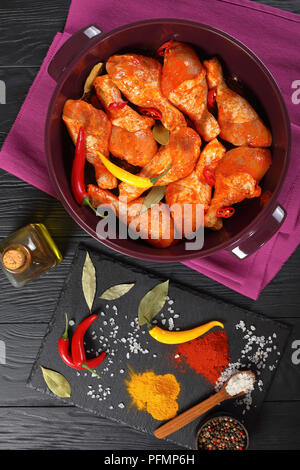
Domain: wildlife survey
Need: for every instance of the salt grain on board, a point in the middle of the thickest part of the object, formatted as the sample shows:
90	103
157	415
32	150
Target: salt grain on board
130	344
257	349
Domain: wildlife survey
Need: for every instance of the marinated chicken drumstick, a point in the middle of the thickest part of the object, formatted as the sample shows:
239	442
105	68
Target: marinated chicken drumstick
138	77
76	114
194	190
131	136
237	178
183	82
181	152
238	121
155	225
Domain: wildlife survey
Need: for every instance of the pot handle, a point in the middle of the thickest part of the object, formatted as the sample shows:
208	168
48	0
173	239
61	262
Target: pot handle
70	48
257	239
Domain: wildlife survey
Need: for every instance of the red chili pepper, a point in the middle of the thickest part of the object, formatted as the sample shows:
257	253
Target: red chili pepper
63	349
152	112
77	347
209	176
164	48
225	212
77	178
211	97
117	105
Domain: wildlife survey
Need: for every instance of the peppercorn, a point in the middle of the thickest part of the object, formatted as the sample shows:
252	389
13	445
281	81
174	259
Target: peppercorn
222	433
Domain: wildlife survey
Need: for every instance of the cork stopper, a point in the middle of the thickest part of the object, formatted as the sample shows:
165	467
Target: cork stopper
15	258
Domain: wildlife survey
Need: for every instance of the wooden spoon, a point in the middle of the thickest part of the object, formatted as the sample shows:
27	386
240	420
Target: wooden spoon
188	416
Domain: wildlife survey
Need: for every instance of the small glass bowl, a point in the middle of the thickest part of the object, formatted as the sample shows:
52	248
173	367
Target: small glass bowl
221	415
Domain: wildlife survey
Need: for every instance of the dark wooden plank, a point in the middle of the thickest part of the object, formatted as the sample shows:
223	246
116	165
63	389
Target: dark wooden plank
37	428
288	5
27	29
286	382
69	428
277	427
22	343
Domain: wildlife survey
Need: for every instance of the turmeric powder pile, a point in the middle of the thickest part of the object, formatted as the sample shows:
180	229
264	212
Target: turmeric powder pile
156	394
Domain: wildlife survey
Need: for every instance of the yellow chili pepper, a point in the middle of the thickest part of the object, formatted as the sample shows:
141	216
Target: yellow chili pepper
134	180
178	337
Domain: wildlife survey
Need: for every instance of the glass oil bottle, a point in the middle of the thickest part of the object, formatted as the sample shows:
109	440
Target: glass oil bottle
28	253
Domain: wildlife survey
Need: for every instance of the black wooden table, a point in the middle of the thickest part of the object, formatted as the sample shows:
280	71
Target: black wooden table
30	420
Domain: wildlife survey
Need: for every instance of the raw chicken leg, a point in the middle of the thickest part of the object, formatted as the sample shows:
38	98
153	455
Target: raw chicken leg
181	152
77	113
131	136
237	178
184	84
194	190
124	117
155	225
138	77
238	121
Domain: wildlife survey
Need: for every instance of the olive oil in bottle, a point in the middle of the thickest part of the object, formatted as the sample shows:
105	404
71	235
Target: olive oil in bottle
28	253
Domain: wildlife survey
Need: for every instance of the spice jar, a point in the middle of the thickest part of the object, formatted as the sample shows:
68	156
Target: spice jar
28	253
222	432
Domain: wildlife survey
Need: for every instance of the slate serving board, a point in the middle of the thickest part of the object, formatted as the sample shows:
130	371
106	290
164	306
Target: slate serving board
116	329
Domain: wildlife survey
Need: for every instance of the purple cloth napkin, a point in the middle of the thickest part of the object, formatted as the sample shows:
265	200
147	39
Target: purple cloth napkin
274	35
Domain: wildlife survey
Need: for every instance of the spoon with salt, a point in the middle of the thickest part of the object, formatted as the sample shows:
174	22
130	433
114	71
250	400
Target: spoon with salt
238	384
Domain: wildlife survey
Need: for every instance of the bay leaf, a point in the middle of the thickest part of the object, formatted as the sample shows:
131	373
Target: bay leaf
117	291
88	86
89	281
152	303
160	133
56	382
155	195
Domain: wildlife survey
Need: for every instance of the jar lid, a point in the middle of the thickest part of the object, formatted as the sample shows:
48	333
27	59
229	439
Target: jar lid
15	258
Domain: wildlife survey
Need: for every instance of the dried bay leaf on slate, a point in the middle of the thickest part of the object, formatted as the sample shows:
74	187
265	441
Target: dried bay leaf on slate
160	133
117	291
88	86
152	303
89	281
155	195
56	382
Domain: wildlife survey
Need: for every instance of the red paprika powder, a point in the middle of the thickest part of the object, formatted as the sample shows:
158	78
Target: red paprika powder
207	355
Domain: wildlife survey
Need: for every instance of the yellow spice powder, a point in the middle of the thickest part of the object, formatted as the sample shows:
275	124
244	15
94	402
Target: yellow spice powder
156	394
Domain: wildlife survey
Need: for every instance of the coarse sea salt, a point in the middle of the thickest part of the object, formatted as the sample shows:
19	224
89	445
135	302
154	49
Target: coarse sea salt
241	382
258	354
126	343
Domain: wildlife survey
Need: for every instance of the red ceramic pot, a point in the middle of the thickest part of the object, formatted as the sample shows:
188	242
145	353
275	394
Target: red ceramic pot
252	225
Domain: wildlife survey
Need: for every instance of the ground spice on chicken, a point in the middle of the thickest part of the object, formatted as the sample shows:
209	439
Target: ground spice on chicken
153	393
207	355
